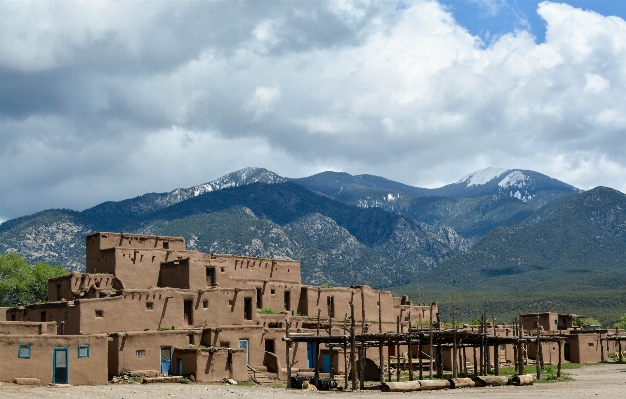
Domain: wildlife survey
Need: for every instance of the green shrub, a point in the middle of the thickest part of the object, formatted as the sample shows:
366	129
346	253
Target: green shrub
268	310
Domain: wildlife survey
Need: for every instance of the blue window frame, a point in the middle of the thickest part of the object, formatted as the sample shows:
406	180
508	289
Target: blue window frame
83	351
23	351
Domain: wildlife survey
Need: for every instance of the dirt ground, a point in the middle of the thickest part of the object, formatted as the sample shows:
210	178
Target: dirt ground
599	380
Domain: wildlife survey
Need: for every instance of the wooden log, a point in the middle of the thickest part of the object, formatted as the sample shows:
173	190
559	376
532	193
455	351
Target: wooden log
287	347
461	383
558	371
410	351
601	350
430	385
352	347
381	363
430	347
524	379
152	380
490	380
407	386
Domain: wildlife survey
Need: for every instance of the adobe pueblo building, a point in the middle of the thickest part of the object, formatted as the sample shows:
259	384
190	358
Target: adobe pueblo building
148	306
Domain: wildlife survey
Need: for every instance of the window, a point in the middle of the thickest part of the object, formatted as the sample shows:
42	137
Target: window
83	351
259	298
590	343
67	315
272	291
224	344
166	245
141	353
99	313
287	300
149	305
23	351
50	317
556	321
42	316
205	304
247	308
269	345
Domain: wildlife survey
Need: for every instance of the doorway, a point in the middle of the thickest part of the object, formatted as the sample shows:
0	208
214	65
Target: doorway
60	373
210	276
243	344
166	360
188	306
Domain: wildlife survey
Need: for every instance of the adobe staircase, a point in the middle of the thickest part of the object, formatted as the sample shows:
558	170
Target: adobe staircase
260	375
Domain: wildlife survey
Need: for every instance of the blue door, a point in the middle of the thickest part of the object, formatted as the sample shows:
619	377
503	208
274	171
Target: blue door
311	355
60	373
180	366
166	360
243	344
326	363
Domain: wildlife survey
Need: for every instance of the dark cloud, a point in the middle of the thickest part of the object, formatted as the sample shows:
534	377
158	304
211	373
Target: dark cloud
108	100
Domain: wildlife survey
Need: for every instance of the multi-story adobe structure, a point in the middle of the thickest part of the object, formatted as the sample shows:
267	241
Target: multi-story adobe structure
161	308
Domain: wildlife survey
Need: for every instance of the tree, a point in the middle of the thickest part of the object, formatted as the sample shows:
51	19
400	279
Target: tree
583	322
21	284
621	323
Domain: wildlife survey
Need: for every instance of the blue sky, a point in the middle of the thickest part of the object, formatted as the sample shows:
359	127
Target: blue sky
107	100
488	18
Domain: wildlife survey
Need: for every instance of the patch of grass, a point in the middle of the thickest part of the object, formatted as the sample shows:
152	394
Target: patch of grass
185	380
135	380
268	311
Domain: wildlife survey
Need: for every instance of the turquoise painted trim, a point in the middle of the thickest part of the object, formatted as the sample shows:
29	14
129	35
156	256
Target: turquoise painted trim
19	351
84	347
67	362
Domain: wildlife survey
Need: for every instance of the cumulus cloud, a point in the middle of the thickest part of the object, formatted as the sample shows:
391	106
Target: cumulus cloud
97	96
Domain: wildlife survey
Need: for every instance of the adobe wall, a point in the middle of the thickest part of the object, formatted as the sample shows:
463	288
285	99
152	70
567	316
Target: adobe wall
241	268
228	337
50	311
69	286
135	268
123	348
585	348
314	298
3	312
27	328
136	310
91	370
548	321
175	274
212	364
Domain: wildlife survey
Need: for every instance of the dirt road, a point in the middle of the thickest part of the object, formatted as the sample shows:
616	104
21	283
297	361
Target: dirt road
601	380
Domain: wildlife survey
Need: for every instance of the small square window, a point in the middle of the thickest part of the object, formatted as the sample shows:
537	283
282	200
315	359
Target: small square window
272	291
141	353
149	305
205	304
50	317
99	313
23	351
83	351
222	269
556	322
67	315
590	344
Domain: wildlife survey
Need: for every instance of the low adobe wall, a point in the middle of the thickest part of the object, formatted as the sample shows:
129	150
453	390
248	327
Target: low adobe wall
212	364
27	328
91	370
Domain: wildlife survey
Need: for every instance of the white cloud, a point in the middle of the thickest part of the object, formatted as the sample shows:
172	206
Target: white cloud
89	88
262	101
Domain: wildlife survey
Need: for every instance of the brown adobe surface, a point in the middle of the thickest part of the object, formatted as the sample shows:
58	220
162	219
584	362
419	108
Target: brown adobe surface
599	380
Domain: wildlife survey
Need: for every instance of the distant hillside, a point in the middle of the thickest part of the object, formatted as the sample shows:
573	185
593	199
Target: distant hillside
472	206
579	243
336	243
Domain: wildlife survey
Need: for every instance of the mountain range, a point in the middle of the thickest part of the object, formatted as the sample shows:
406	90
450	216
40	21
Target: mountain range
517	230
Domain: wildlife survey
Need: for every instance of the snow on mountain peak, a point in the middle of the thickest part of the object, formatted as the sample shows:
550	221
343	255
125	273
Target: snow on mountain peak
514	179
482	176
